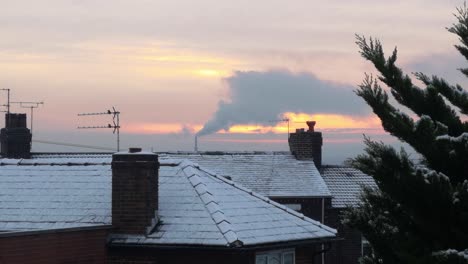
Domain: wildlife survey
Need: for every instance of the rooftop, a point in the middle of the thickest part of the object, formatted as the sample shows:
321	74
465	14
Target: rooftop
273	174
345	184
196	206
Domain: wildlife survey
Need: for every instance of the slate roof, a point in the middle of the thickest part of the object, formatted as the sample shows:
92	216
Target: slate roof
345	184
37	197
196	207
273	174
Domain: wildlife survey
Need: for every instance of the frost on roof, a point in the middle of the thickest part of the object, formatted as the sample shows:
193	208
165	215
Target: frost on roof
195	206
52	197
345	184
275	174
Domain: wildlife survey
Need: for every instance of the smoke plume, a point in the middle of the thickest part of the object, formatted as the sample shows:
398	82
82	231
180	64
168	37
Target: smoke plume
259	97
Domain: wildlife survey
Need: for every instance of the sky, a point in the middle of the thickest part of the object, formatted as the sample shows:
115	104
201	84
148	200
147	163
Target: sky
230	71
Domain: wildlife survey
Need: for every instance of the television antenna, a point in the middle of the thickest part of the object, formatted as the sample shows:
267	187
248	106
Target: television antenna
30	105
115	123
282	120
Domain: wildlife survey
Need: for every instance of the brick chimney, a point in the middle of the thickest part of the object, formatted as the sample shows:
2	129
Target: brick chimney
15	137
306	145
134	191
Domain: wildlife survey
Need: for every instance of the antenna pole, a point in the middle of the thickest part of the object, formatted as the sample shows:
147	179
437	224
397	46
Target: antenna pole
115	120
118	130
31	106
7	105
32	118
8	102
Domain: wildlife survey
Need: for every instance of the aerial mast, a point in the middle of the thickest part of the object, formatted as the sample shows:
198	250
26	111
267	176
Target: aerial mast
30	105
7	104
115	123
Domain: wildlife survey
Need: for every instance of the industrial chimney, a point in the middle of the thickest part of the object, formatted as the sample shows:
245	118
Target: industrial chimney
307	144
15	137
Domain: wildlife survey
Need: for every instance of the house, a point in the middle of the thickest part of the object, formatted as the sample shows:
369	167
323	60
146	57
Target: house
298	180
345	185
276	175
136	207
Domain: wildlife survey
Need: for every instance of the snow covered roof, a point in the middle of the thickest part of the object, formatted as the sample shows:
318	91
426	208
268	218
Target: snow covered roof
53	196
196	207
273	174
345	184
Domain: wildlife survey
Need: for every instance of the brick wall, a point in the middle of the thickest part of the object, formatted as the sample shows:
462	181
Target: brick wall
304	255
134	192
122	255
348	250
77	247
310	207
307	145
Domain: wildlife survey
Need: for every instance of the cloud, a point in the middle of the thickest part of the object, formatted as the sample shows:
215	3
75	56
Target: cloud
261	97
444	65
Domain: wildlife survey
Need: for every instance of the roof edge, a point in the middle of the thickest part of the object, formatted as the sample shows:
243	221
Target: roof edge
268	200
52	231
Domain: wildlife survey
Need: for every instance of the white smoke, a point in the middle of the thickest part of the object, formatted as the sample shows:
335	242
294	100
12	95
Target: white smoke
259	97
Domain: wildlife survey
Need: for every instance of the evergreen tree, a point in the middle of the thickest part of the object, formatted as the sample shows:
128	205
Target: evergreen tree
419	214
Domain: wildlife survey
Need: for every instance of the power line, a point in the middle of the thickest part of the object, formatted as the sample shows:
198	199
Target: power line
71	144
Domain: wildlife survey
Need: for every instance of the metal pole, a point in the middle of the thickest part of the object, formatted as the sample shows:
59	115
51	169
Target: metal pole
118	133
32	120
8	103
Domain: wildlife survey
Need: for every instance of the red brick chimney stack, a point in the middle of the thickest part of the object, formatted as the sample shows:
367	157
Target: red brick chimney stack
15	137
134	191
306	145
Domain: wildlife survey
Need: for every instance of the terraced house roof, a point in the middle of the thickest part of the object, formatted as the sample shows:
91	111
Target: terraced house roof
345	184
196	206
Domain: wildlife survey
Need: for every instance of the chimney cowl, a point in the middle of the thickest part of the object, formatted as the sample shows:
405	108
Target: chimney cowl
307	146
311	125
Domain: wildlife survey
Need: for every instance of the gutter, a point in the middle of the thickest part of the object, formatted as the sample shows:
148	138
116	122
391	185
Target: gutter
327	240
52	231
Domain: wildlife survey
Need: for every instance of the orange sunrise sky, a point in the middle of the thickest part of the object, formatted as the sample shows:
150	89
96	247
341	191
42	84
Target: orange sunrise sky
229	70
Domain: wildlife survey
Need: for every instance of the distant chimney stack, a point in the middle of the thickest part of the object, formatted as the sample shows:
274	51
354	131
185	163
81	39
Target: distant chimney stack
306	145
134	191
15	137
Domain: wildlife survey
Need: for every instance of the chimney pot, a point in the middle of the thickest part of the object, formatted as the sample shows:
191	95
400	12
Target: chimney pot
311	125
306	146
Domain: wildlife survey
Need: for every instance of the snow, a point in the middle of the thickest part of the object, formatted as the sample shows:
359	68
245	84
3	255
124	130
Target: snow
274	174
345	184
428	174
462	138
463	254
195	207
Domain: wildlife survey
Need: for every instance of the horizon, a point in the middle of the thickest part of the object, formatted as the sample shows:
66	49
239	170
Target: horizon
229	71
